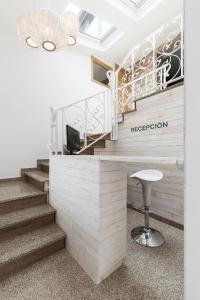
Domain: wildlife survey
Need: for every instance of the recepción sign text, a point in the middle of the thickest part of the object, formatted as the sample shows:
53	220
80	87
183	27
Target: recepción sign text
149	126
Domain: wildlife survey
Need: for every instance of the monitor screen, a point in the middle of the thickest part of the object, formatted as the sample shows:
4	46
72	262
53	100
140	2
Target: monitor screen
73	139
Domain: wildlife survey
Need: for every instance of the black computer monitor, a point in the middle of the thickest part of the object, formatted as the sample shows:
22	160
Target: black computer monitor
73	139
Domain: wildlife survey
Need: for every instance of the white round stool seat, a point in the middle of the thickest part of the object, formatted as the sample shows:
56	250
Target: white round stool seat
148	175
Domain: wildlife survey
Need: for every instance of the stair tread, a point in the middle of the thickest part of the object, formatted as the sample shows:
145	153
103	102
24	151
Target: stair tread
24	244
12	218
94	136
38	175
44	163
16	189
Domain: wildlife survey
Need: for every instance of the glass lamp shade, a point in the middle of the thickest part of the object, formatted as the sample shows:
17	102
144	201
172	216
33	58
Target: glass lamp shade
48	30
24	26
72	27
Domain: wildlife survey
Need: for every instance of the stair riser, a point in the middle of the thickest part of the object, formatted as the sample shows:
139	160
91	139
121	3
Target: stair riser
30	258
106	137
25	226
44	168
89	151
44	187
99	144
90	140
22	203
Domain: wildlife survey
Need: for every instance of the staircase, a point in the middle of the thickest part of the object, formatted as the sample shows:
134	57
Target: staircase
28	232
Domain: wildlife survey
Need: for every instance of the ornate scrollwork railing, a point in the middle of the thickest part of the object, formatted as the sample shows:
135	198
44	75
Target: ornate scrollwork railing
92	117
150	66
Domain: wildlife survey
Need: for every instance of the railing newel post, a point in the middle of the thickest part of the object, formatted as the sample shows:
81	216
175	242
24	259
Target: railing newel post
86	129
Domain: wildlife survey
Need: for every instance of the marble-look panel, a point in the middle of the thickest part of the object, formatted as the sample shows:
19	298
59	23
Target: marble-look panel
90	197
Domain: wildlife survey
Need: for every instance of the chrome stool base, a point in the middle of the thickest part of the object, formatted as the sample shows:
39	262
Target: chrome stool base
147	237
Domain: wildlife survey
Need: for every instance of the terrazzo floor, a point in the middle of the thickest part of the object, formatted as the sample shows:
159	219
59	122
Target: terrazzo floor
145	274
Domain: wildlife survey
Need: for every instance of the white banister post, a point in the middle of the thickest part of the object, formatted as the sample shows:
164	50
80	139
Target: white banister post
182	45
162	77
86	129
115	104
154	59
104	111
63	130
113	83
53	124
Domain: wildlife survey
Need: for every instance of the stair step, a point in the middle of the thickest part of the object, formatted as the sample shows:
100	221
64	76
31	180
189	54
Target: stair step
28	248
88	151
38	178
18	194
97	144
43	165
23	220
95	136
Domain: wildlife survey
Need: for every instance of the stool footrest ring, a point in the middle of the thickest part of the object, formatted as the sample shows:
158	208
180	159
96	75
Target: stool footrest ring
143	210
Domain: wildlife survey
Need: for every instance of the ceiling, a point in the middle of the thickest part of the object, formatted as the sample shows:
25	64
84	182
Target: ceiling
134	30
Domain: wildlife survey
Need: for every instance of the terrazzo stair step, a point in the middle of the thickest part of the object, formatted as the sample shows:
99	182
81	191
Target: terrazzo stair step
88	151
98	144
95	136
43	165
18	194
10	205
26	249
37	178
24	220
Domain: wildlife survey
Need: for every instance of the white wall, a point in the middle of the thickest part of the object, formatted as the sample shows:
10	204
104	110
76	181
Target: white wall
30	82
192	150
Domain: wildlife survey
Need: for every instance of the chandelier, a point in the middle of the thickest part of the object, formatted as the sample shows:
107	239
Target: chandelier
47	30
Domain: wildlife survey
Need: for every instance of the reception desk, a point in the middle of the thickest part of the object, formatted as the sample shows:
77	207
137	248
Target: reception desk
90	196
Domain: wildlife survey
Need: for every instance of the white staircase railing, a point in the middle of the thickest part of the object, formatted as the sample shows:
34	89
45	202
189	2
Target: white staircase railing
150	66
92	117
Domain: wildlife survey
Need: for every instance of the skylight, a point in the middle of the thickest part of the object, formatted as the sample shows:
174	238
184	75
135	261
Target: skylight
94	27
94	32
135	2
135	9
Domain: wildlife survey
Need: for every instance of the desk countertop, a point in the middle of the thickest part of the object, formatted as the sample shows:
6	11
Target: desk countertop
131	159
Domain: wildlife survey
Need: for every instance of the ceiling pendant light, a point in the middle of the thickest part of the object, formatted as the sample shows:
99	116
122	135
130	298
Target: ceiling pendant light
24	30
48	30
72	26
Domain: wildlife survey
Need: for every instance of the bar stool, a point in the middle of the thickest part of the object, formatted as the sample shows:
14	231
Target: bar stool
144	235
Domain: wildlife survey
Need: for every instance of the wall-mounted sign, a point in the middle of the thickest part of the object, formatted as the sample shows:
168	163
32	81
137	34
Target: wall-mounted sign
149	126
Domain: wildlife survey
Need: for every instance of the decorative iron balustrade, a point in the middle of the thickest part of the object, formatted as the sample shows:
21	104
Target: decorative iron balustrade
152	65
92	117
149	67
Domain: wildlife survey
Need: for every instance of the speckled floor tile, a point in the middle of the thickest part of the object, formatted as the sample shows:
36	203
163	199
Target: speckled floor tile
17	189
146	274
